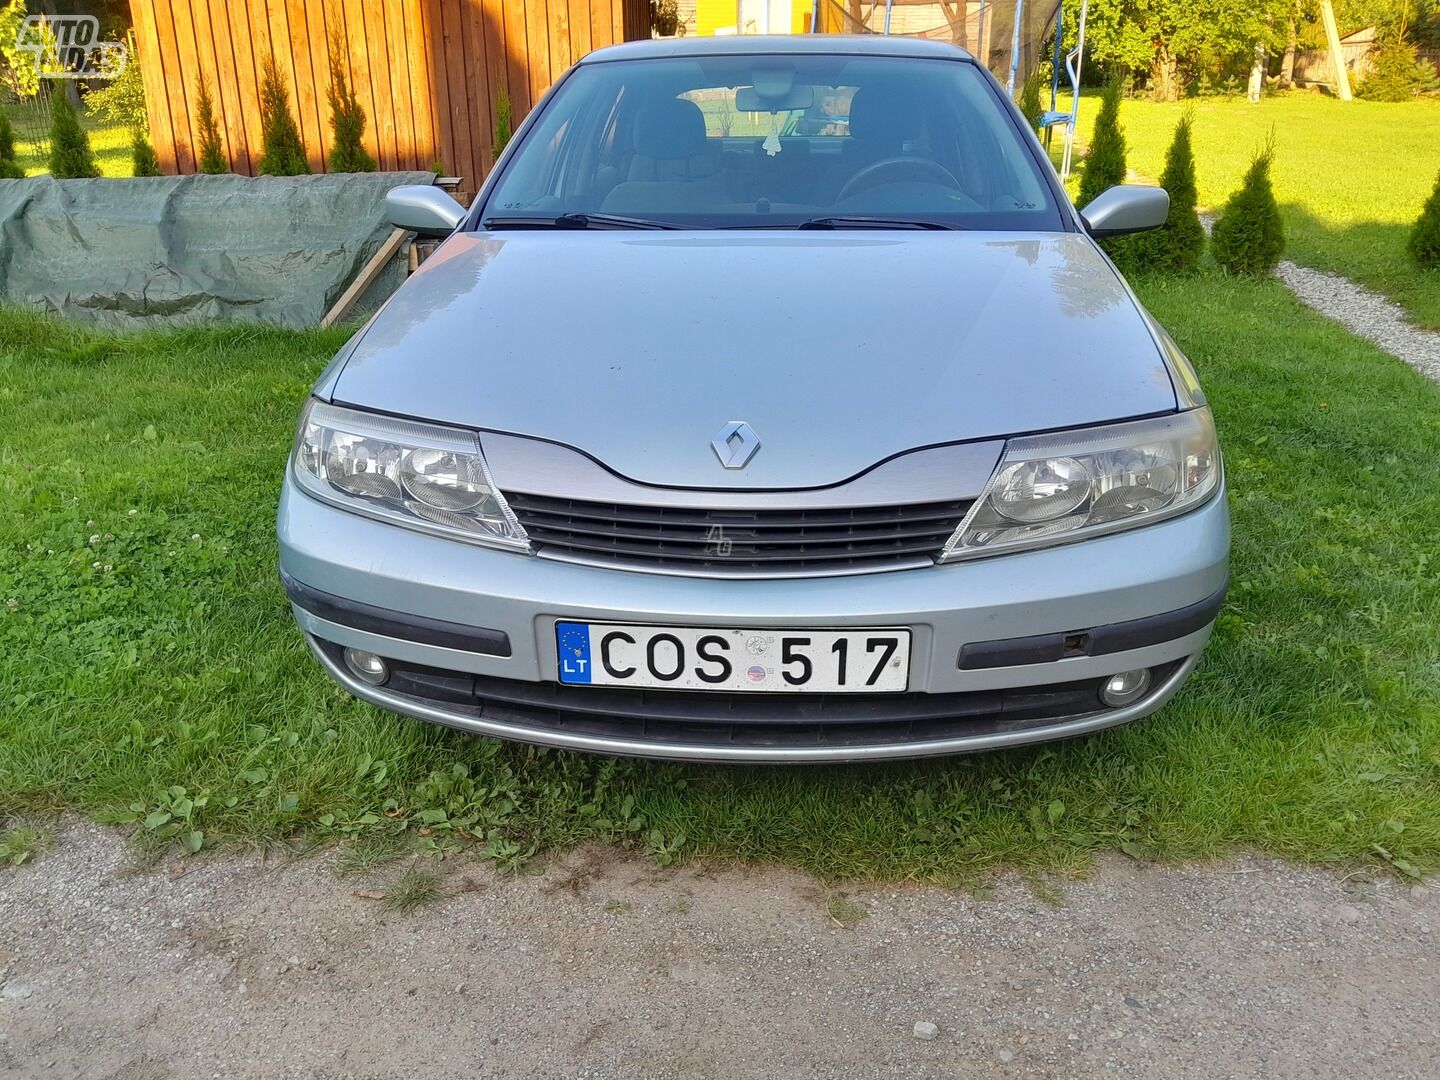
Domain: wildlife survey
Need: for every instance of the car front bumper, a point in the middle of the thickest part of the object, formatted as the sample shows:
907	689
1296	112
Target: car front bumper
473	629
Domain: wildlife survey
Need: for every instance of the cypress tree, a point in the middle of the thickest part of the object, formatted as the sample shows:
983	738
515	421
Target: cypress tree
9	168
212	157
1030	106
1176	246
1424	242
142	154
1105	163
347	119
501	131
70	155
282	151
1250	237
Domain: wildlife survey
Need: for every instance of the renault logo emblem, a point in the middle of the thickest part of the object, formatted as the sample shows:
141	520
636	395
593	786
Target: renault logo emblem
735	444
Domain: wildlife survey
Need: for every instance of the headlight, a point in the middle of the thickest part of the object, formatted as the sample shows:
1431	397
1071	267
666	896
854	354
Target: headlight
1050	489
420	475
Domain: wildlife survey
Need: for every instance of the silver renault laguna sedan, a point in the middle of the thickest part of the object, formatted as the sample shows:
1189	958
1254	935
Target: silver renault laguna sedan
771	403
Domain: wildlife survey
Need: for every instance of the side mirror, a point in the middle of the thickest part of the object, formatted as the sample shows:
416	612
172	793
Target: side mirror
1124	209
423	209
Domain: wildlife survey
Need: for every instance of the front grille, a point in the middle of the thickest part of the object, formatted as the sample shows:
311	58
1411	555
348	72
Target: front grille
771	542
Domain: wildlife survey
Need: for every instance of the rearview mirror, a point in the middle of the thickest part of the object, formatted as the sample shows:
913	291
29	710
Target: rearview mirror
748	99
423	209
1126	208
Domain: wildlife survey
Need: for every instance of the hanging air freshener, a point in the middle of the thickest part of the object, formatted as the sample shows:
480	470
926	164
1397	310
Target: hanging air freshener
772	141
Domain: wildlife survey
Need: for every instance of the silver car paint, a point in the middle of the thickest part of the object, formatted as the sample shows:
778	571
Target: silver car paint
839	349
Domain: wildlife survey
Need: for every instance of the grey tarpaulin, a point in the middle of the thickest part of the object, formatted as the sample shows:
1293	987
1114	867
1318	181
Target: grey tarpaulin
184	249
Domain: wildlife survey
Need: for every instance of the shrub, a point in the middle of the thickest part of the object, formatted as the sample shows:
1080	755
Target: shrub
70	155
665	17
212	155
1396	73
1424	242
1105	164
142	154
500	135
1177	245
282	151
1029	101
1249	237
347	119
9	168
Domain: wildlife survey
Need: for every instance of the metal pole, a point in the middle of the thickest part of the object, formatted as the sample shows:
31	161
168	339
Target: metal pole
1015	48
1074	69
1332	35
815	17
888	5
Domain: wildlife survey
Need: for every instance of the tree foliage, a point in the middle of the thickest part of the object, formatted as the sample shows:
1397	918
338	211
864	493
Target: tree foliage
1030	105
347	119
212	153
70	155
1249	237
9	168
1424	242
1396	73
121	100
142	154
1177	245
282	151
17	65
504	121
1105	163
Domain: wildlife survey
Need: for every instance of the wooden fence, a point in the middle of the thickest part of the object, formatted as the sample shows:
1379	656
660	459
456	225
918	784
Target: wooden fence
428	73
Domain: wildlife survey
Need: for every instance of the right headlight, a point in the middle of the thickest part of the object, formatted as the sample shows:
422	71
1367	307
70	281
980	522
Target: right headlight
1071	485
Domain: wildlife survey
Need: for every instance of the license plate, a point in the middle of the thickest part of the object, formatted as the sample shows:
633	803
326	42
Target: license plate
704	658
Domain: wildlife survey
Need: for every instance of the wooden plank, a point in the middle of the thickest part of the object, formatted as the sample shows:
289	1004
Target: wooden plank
516	51
378	57
399	83
439	80
601	24
188	54
207	68
537	33
247	78
421	95
157	101
366	276
173	80
228	89
617	20
302	98
579	29
317	25
477	78
359	58
559	39
452	50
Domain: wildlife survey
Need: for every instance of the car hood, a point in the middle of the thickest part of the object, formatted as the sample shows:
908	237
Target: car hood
839	349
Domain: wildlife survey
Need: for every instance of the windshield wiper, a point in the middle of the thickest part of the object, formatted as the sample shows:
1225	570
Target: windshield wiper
840	222
573	221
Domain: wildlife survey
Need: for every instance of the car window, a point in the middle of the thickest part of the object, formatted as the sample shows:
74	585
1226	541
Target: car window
757	141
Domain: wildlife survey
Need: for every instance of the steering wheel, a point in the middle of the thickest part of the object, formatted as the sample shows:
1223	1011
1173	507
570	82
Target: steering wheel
866	177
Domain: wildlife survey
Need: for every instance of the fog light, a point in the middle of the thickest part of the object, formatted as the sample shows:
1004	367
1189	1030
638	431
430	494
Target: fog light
1125	687
367	667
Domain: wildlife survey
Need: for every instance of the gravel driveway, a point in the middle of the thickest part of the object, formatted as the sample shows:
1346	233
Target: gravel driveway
603	966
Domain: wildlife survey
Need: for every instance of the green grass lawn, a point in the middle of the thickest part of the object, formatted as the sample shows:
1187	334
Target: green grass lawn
109	141
1350	177
150	671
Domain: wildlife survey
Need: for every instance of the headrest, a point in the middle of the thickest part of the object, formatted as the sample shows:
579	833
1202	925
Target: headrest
671	129
883	113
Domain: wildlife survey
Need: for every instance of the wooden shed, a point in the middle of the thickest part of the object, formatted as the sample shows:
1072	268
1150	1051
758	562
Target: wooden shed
429	73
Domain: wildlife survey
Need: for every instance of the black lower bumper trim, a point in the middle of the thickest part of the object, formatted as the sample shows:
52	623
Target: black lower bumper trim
1096	641
377	620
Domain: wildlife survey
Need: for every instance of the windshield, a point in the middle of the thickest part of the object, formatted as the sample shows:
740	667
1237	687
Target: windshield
775	141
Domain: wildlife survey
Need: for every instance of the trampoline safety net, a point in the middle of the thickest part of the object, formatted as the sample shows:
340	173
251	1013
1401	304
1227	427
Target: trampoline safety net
984	29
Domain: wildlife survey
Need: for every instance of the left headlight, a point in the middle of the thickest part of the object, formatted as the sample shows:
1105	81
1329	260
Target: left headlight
422	476
1071	485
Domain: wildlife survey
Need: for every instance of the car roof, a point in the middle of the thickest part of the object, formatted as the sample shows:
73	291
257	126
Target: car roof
778	44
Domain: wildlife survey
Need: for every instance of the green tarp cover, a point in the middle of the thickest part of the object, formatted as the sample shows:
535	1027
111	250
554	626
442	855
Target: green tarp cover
171	250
